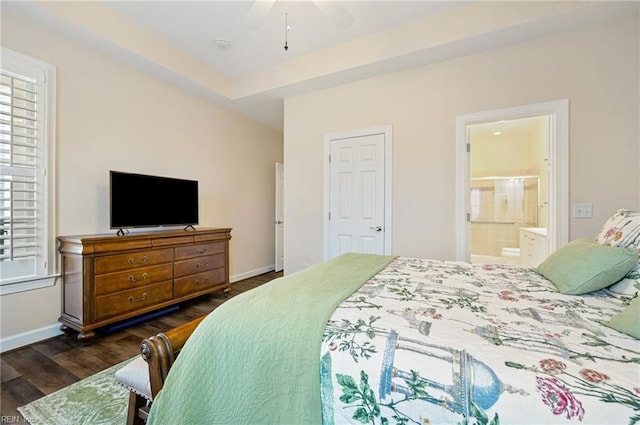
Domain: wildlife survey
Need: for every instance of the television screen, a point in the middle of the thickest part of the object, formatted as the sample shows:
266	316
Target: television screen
138	200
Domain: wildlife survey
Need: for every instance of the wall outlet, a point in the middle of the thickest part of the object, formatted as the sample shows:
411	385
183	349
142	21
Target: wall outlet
582	211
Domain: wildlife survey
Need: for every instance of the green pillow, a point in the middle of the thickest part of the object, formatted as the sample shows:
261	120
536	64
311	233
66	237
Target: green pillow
582	266
628	320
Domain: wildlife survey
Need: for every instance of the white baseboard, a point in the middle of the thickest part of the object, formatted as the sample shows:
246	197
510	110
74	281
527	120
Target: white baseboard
252	273
37	335
29	337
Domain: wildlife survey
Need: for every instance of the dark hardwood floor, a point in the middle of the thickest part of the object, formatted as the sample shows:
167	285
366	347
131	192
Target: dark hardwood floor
31	372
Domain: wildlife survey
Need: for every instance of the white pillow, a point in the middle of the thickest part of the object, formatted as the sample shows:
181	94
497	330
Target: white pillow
628	286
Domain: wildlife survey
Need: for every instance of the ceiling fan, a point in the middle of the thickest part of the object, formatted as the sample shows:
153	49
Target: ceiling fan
332	10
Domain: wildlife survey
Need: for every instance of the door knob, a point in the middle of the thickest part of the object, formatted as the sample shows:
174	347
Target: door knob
376	228
279	222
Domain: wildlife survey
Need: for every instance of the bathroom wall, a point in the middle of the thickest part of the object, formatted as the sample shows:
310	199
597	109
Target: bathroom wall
499	208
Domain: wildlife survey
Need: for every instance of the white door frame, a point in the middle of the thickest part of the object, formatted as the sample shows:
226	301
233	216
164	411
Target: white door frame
558	112
279	222
328	138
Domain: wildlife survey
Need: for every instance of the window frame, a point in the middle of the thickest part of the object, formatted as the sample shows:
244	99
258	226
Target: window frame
16	63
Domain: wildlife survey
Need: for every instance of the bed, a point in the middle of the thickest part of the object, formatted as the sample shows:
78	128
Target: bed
397	340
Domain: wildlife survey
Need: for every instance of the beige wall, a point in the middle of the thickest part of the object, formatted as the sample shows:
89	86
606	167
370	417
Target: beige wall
595	68
112	116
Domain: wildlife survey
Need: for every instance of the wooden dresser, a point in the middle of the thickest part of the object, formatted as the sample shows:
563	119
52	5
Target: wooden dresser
109	278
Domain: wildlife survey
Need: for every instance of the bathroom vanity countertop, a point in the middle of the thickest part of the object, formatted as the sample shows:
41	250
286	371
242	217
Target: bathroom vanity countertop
542	231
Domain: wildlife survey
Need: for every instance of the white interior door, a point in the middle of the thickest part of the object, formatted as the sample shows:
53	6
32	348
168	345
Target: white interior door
279	248
357	195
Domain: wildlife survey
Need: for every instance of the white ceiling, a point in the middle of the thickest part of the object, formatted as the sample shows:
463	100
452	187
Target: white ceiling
330	43
510	129
194	27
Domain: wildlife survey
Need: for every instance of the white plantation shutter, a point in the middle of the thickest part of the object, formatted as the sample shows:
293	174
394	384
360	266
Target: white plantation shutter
24	210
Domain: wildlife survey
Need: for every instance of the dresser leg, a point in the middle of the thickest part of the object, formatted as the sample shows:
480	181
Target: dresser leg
67	330
86	337
225	291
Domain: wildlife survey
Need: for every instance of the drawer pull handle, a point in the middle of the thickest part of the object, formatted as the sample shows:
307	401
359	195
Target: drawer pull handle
132	261
198	265
201	251
198	283
142	298
133	279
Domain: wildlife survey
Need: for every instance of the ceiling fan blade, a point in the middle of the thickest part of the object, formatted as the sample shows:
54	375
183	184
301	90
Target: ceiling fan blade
335	13
258	13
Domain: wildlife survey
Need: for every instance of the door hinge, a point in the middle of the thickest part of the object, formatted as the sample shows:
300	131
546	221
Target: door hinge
468	217
468	147
329	158
329	215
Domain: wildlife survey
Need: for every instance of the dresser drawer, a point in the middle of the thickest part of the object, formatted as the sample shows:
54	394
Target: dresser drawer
135	299
132	260
130	279
199	282
199	250
198	265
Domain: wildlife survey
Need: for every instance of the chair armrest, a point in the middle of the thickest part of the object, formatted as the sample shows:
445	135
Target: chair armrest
160	351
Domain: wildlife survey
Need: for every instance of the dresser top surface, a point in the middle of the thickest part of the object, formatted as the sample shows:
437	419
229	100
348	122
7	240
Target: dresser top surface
145	234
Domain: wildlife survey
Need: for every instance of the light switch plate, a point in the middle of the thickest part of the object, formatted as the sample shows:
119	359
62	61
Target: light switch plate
582	211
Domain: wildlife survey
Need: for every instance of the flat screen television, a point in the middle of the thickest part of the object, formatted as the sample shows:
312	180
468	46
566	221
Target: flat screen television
139	200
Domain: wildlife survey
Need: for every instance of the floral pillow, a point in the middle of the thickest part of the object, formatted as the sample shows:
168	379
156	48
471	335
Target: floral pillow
623	229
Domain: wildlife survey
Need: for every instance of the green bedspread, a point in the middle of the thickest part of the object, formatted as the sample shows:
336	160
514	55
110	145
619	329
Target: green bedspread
256	358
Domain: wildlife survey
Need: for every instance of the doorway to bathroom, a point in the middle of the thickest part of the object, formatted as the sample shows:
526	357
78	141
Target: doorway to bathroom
508	188
512	189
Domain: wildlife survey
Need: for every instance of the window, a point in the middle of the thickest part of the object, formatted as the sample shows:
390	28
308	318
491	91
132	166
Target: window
27	99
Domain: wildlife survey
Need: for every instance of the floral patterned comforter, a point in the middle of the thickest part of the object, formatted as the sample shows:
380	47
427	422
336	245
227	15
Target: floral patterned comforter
430	342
